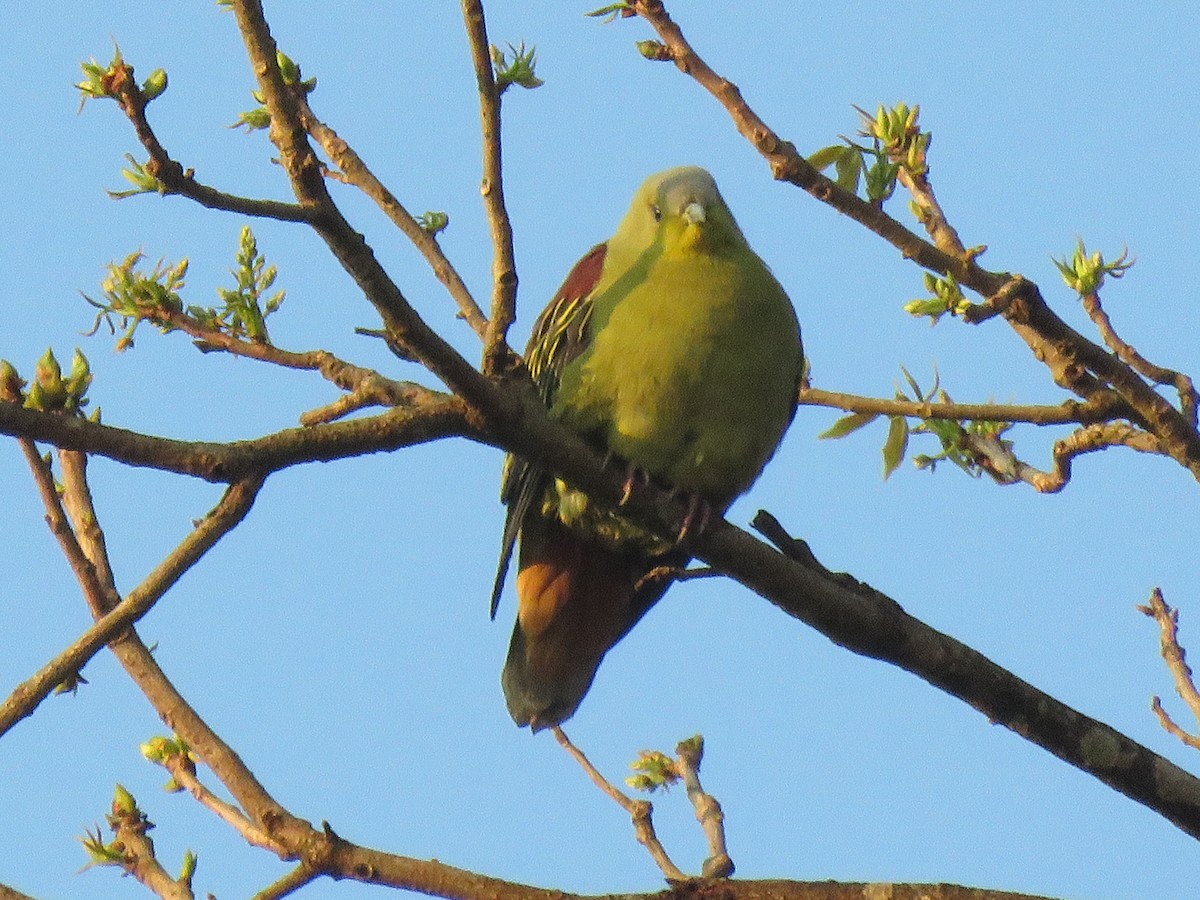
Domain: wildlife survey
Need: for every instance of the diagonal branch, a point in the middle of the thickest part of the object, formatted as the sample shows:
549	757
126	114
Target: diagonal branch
354	171
122	614
640	811
1176	659
1188	398
1076	363
865	621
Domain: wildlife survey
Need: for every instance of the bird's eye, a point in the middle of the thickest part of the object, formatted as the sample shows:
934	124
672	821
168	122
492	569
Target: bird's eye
656	212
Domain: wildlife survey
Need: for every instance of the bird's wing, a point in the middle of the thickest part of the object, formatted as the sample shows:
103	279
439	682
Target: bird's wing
559	336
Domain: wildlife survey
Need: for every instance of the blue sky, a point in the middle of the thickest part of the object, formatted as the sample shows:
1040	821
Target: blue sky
339	639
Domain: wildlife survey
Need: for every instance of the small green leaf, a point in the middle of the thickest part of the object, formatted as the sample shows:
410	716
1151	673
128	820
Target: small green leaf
612	11
896	445
848	424
827	156
912	383
519	70
849	167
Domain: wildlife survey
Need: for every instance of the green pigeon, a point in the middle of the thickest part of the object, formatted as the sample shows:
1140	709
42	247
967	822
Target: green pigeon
671	347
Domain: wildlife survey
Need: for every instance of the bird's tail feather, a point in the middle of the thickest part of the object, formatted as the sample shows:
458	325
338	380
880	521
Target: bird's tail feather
577	598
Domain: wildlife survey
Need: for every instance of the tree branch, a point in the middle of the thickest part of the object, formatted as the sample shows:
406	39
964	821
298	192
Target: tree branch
1102	408
496	357
354	171
865	621
640	811
114	618
171	175
1075	362
1188	398
440	417
1176	659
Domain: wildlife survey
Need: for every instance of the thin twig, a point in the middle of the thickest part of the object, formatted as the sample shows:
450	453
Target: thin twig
140	860
708	811
288	884
1188	398
1176	659
640	811
185	776
355	172
995	456
496	357
934	218
1104	407
98	600
172	176
233	507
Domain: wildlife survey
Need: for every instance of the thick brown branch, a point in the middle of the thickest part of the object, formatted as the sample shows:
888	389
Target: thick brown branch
859	618
227	462
471	887
7	893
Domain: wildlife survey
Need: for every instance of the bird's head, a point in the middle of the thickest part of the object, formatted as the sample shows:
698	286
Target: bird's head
680	211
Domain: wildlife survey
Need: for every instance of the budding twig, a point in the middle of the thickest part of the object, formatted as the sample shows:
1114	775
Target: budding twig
640	811
1176	659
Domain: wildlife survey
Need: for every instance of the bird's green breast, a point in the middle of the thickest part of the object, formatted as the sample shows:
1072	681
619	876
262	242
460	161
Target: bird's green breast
692	371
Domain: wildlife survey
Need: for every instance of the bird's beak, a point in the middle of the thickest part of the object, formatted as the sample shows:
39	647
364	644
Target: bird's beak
694	213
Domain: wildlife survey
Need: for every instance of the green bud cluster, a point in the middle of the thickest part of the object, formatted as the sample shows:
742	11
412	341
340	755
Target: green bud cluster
109	80
434	222
654	770
166	751
1084	273
898	133
946	296
51	390
517	66
133	295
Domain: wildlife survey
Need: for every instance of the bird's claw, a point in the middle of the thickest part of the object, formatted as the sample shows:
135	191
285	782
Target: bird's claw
634	478
696	519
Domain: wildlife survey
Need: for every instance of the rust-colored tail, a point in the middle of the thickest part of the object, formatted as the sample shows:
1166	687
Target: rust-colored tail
576	599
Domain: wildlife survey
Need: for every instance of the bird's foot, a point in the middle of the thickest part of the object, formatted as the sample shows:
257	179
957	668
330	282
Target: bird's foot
695	520
635	477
